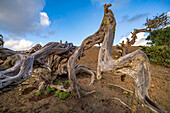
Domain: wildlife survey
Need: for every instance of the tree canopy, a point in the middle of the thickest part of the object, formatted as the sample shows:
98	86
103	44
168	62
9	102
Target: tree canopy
160	37
158	22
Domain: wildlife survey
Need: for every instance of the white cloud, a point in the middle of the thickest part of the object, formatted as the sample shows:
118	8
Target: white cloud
21	16
140	41
18	44
44	19
168	14
41	43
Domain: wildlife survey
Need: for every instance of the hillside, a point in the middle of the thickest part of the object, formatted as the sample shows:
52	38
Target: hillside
23	99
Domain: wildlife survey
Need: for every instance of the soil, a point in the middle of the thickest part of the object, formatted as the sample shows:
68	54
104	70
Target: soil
23	98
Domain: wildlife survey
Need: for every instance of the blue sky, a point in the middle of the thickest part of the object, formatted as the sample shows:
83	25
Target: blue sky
24	23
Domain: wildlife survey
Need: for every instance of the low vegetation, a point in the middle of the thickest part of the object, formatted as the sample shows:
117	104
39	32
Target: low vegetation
49	90
159	51
62	95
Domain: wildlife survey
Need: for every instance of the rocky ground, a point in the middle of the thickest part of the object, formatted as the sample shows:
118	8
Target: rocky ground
24	99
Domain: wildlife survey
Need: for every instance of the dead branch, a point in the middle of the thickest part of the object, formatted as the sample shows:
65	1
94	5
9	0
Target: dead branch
123	48
121	88
122	102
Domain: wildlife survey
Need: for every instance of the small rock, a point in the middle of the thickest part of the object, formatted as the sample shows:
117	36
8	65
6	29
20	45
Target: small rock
1	61
26	83
152	85
20	89
125	92
131	94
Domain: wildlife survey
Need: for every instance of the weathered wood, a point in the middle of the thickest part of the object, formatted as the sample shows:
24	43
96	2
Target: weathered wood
87	43
123	48
23	65
135	64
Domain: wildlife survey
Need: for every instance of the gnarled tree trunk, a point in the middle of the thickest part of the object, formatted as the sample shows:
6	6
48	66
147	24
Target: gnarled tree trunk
135	64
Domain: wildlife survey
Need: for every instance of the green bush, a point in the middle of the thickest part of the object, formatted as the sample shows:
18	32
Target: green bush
56	80
38	94
64	95
160	37
49	90
57	93
158	54
81	72
66	82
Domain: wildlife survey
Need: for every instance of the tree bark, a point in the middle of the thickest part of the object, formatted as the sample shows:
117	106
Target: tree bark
87	43
23	64
135	64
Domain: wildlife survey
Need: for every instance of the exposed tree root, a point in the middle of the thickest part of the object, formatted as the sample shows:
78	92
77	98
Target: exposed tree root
121	102
121	88
88	93
60	87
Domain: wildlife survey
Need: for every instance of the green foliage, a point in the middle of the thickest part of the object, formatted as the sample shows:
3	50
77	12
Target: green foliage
160	37
83	95
38	94
56	80
158	54
49	90
64	95
66	82
30	85
157	22
71	108
57	93
81	72
61	84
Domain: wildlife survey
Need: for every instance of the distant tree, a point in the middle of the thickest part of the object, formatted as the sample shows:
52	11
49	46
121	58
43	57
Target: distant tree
160	37
157	23
1	41
159	52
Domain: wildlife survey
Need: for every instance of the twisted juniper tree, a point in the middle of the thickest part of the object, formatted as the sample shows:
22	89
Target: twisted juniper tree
156	23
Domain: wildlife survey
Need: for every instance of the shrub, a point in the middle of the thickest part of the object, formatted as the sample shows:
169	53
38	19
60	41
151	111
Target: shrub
56	80
64	95
57	93
66	82
49	90
158	54
38	94
81	72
